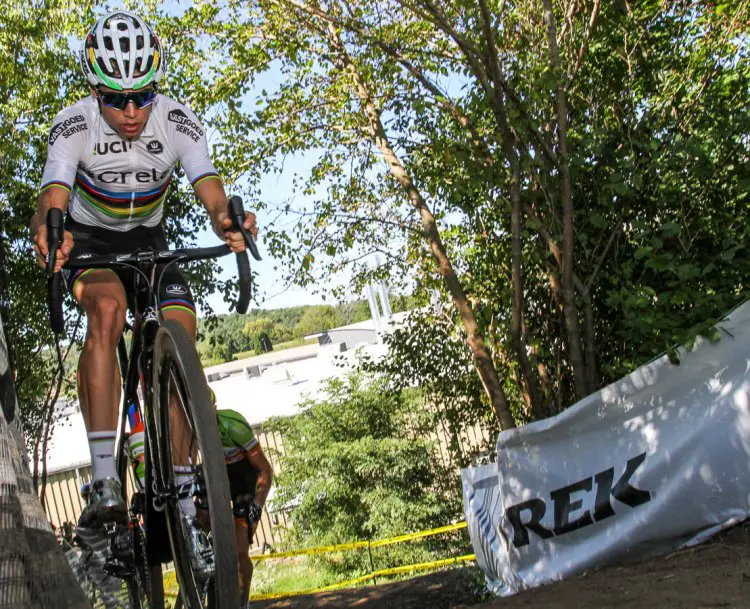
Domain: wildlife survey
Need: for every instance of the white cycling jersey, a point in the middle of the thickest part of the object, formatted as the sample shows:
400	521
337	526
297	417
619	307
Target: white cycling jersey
119	184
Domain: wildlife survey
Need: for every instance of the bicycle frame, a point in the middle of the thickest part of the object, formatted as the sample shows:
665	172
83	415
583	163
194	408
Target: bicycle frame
136	371
135	368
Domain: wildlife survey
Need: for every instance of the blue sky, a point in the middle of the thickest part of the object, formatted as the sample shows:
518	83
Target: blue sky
275	191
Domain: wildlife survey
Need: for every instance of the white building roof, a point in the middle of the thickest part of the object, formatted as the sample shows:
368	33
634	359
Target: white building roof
287	378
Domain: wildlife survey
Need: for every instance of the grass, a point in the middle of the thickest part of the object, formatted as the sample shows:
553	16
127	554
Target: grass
303	573
290	575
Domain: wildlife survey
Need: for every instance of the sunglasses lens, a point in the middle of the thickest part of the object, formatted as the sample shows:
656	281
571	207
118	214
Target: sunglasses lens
114	100
118	101
144	98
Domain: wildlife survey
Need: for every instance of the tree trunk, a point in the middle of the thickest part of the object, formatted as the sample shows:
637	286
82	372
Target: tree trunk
529	381
482	360
592	364
567	289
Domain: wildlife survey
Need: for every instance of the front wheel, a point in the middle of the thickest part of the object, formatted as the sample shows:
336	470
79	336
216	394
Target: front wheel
186	429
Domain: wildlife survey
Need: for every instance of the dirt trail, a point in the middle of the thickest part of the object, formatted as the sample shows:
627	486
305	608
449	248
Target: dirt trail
714	574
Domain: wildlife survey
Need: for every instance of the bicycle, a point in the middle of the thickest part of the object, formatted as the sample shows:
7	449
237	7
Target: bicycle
163	370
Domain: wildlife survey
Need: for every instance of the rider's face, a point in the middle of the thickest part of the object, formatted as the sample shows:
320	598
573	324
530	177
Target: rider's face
128	122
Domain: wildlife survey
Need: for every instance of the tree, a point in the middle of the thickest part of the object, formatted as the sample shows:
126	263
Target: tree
322	64
574	180
588	98
317	319
427	351
259	331
26	107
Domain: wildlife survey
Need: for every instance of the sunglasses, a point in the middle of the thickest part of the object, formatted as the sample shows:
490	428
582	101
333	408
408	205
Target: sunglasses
119	101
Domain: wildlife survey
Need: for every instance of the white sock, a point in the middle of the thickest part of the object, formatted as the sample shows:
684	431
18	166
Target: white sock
184	475
102	448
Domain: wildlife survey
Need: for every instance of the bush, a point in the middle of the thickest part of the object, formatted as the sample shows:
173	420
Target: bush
359	465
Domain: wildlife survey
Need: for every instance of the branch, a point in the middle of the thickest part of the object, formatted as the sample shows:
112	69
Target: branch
473	55
568	19
585	43
599	262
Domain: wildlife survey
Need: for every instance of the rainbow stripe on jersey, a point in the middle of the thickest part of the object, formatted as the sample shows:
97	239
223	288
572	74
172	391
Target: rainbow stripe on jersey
121	204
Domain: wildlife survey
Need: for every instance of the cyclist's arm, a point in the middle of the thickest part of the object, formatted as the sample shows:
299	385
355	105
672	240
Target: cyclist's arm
67	139
258	460
212	195
52	196
201	172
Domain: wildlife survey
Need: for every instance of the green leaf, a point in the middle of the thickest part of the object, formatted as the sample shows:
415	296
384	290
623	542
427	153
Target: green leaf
670	229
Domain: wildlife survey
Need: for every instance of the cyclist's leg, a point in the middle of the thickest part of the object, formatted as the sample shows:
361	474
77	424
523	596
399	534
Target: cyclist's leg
242	479
243	535
184	315
102	296
175	298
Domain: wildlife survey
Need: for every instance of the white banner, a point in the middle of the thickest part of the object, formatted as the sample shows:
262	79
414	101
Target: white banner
656	461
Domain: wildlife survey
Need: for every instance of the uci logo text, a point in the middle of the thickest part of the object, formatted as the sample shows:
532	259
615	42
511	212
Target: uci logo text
527	516
117	147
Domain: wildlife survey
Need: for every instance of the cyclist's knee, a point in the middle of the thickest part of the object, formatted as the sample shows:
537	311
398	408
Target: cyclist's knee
106	317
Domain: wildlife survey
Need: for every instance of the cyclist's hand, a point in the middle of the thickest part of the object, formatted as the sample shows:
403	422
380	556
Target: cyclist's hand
233	238
40	247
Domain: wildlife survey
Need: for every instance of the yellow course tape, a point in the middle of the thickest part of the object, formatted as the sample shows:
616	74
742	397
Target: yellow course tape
381	573
362	544
170	579
170	584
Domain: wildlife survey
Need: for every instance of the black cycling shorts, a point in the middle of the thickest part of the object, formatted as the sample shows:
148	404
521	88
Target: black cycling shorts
174	292
243	478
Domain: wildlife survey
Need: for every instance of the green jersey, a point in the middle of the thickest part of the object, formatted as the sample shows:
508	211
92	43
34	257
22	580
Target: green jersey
237	436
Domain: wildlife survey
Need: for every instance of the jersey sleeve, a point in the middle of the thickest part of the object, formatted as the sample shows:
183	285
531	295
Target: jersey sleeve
65	144
191	143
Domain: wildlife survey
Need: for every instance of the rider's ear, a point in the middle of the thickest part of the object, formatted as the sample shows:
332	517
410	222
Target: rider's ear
94	93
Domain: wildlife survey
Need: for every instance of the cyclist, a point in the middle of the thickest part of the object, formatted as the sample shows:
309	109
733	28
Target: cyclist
250	477
110	161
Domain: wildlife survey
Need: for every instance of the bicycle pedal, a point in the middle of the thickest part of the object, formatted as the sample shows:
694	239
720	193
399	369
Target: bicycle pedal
122	545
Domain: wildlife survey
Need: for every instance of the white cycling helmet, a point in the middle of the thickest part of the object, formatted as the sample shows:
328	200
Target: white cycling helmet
122	52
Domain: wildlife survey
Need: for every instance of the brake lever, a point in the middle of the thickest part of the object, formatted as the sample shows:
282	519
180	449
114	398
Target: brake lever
237	214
